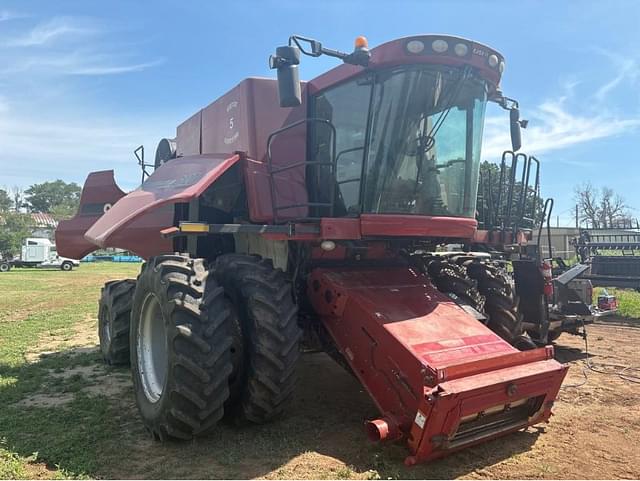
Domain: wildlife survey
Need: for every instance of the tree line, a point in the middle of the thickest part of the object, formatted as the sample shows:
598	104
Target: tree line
57	198
597	208
601	208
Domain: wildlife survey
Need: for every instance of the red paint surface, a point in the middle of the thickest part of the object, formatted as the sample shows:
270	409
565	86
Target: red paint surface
241	121
403	338
135	221
417	226
388	225
394	53
99	190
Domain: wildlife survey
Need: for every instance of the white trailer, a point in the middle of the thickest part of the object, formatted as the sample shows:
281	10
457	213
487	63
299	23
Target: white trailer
39	253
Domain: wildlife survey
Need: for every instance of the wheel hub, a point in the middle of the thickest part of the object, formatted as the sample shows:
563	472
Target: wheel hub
106	324
152	349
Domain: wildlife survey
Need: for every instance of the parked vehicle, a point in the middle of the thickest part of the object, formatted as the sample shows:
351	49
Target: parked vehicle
40	253
319	223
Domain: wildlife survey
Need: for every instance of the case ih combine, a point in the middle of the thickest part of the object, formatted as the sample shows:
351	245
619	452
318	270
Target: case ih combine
317	222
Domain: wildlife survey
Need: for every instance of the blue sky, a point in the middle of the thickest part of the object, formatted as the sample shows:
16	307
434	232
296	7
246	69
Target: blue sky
83	83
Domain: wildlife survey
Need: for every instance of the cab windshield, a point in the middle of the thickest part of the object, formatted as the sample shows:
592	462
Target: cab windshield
408	141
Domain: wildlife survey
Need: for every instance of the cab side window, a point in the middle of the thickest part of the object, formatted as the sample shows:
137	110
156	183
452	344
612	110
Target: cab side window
347	108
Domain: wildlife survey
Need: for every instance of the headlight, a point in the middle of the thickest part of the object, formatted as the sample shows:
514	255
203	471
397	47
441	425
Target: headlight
440	46
461	49
415	46
493	60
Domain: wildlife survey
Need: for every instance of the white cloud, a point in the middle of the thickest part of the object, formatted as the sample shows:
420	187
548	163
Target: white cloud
626	68
51	127
6	15
562	122
37	149
554	127
79	62
68	46
50	31
114	69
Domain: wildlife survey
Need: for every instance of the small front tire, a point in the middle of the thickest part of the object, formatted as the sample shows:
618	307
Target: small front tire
66	266
114	318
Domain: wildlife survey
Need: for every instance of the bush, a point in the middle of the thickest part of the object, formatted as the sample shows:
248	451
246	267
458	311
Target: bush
14	228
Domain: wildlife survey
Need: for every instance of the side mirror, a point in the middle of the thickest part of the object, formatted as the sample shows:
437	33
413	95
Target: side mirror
286	62
514	126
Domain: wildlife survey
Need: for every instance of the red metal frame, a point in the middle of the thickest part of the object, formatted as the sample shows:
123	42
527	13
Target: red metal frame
135	221
241	121
395	52
99	193
440	378
426	362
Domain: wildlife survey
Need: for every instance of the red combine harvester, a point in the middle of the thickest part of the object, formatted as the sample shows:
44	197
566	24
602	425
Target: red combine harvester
317	223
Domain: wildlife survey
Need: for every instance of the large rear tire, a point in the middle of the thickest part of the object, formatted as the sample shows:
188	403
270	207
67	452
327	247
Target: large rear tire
180	340
501	302
451	278
114	319
264	375
553	335
485	287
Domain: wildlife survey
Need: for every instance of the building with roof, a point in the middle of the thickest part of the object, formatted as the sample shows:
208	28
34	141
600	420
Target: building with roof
44	225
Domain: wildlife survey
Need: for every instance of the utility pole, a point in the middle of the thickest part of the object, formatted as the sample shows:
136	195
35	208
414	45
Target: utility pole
577	216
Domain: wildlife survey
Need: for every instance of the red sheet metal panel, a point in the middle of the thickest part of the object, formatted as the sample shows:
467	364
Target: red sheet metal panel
421	356
135	221
416	225
241	121
395	52
189	136
99	193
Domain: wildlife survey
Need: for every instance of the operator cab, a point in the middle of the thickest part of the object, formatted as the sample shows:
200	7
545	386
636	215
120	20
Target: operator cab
401	141
407	126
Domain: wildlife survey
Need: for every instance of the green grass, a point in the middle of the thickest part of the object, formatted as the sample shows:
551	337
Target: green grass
628	300
36	305
12	466
94	436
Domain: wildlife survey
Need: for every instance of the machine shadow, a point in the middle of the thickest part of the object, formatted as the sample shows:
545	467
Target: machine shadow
92	434
566	354
619	321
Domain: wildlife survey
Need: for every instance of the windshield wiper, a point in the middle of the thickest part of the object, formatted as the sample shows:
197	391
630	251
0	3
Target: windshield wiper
429	139
455	92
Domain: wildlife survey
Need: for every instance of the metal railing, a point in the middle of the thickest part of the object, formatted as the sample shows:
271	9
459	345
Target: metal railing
332	163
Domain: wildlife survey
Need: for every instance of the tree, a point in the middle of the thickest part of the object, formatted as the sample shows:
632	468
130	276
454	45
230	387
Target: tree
5	201
489	188
57	197
14	228
601	208
17	193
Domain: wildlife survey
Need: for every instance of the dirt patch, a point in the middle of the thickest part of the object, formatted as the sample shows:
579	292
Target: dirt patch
83	338
110	385
87	372
43	400
594	434
94	379
40	471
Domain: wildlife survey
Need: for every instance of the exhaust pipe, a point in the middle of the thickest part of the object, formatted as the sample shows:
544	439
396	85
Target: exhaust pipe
384	429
